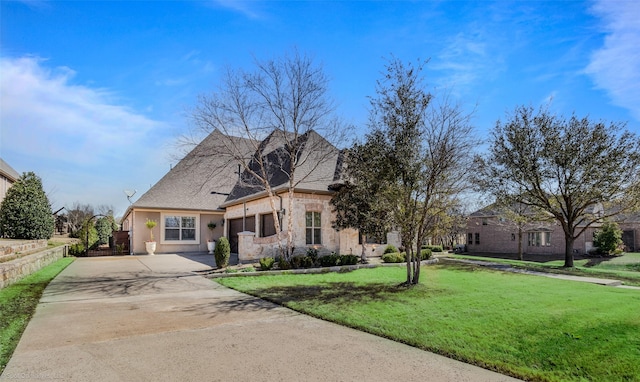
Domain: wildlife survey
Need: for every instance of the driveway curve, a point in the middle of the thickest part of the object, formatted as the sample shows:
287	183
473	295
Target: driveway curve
150	318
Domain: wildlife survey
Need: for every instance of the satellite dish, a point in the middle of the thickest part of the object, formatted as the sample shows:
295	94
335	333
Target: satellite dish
130	194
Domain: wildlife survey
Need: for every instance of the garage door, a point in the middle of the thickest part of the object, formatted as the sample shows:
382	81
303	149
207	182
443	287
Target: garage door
235	226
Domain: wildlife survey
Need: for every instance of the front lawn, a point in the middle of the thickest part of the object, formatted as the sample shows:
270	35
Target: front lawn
625	268
18	303
531	327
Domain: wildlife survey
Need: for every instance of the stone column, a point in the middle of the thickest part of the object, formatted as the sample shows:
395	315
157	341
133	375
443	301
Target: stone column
246	248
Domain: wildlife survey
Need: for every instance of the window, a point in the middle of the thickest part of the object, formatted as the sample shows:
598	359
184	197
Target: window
513	237
539	239
178	228
477	238
469	238
372	239
313	224
267	226
485	221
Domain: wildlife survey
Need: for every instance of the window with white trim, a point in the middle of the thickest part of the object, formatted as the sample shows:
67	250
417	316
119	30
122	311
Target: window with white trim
539	239
313	223
180	229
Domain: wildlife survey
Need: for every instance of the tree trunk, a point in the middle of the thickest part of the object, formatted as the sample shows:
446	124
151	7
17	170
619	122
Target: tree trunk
413	268
363	256
416	268
520	256
290	226
409	269
276	221
568	251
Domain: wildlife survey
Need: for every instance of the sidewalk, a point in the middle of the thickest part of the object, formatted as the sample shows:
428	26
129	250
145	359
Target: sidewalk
508	268
149	318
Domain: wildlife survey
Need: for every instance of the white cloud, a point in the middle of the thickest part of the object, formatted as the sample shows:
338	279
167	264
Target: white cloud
77	138
466	60
247	8
42	109
615	67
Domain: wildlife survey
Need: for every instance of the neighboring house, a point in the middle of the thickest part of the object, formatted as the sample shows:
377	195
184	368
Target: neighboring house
489	231
8	177
630	226
205	187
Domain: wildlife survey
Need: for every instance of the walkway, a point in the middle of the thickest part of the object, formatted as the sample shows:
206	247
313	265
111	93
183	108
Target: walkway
149	318
508	268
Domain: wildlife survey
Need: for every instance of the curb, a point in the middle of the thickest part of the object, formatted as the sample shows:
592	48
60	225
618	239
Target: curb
309	271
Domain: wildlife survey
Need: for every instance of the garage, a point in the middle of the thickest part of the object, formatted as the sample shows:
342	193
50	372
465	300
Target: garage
235	227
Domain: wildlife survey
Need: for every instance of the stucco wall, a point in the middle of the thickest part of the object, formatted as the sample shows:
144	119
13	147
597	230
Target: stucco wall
139	233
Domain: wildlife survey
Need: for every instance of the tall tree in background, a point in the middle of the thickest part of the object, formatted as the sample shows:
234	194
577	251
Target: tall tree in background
77	215
575	169
105	226
425	148
359	201
25	212
284	114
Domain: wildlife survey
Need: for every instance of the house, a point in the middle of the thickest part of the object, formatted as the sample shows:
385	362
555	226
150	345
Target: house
208	186
630	226
185	201
8	176
489	230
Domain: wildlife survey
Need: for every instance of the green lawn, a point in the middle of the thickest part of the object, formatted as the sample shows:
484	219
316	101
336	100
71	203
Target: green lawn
18	303
625	268
531	327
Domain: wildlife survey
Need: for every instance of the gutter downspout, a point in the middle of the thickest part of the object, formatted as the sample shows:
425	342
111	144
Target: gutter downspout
131	225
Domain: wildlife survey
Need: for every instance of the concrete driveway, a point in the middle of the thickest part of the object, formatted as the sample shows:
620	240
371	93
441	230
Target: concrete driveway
149	318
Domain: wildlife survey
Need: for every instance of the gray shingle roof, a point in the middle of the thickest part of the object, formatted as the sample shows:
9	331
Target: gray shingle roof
8	171
207	168
316	169
210	167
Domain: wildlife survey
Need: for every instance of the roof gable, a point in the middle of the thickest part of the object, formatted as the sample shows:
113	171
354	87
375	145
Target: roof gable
8	171
317	163
190	183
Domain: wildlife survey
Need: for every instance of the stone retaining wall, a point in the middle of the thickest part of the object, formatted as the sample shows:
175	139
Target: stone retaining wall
12	271
8	247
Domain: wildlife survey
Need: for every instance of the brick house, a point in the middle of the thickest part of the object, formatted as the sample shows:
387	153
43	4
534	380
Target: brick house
488	231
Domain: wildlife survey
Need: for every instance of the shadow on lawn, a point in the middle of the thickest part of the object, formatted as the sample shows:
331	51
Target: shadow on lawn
340	292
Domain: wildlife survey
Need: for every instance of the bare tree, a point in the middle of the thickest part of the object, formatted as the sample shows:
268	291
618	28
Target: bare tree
77	215
285	117
427	148
577	170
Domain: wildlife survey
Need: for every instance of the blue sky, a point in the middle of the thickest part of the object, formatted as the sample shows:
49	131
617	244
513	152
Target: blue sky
95	94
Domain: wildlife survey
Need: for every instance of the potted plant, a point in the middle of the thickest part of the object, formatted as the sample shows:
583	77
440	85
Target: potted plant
150	245
211	244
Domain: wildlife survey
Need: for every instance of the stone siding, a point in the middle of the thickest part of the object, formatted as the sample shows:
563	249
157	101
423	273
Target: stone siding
13	247
252	247
13	271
